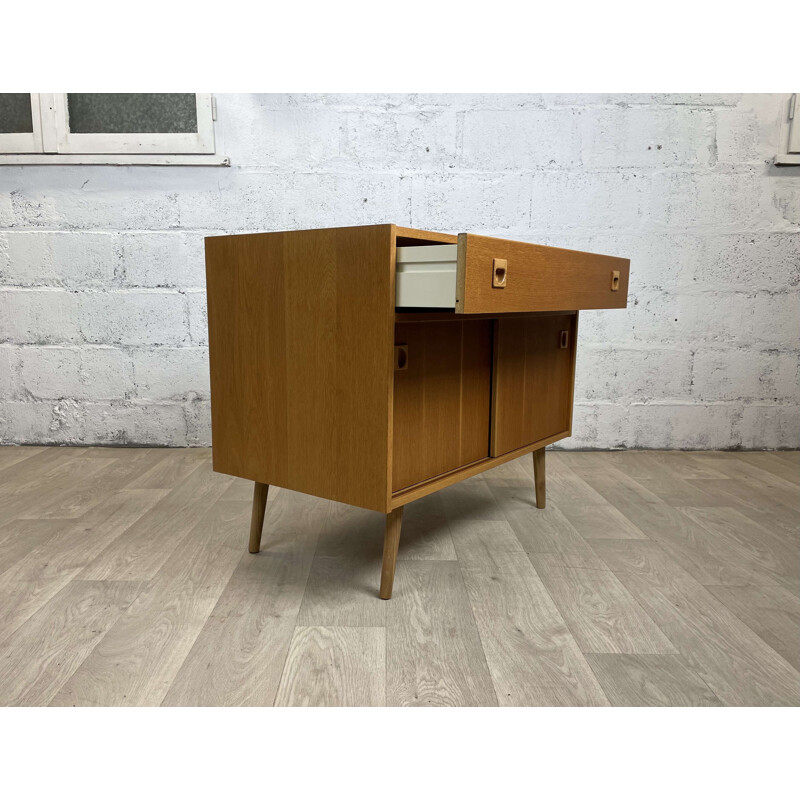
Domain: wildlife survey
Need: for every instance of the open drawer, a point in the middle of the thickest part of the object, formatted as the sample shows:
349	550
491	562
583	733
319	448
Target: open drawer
482	275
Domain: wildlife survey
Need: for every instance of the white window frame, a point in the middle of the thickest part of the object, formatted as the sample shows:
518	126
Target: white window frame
53	143
25	142
790	134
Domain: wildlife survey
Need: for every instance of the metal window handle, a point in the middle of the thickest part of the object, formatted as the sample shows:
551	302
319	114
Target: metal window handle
400	357
499	272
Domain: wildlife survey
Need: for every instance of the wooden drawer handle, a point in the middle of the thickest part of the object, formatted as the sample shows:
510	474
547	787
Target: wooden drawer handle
400	357
499	271
563	340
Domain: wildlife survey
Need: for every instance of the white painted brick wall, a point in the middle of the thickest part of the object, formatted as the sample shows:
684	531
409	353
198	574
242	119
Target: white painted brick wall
103	333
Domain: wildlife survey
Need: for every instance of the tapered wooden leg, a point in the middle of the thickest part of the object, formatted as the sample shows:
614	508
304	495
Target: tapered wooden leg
260	491
390	542
538	476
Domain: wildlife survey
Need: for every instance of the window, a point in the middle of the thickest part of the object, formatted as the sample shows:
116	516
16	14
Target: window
790	135
108	129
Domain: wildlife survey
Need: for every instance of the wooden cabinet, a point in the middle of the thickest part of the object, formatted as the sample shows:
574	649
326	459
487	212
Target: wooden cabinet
320	384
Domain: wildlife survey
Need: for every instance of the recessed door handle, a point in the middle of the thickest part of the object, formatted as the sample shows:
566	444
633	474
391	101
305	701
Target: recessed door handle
615	281
499	273
400	357
563	340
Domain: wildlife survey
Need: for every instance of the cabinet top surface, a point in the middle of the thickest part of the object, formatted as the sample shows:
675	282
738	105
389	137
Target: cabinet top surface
397	231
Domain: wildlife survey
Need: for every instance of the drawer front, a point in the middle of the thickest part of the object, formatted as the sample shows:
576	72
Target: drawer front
442	388
534	363
497	276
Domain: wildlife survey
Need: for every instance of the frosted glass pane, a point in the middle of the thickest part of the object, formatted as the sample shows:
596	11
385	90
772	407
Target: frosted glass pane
15	113
132	113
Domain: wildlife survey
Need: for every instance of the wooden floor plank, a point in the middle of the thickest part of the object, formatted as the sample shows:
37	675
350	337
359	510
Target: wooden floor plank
10	456
28	492
239	655
691	555
39	657
771	611
342	589
772	462
470	499
172	469
434	654
707	557
617	488
153	539
547	530
764	487
137	660
330	666
600	522
425	533
27	585
774	558
19	536
108	475
532	657
650	680
601	614
658	463
735	663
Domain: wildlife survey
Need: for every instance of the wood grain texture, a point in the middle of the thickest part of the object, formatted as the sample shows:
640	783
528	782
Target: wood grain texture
539	477
300	344
433	650
139	658
154	537
705	556
539	278
735	663
601	521
441	401
449	478
335	667
238	658
532	381
532	656
772	558
471	622
601	614
19	536
33	580
391	541
260	494
10	456
650	680
771	611
426	531
38	659
549	532
343	578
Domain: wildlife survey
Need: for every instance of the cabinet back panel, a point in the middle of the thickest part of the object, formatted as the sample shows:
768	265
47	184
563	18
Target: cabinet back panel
441	399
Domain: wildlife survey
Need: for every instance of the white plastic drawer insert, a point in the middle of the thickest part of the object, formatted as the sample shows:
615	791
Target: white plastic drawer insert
426	276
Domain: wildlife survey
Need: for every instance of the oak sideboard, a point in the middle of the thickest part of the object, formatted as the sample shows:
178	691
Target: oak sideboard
374	365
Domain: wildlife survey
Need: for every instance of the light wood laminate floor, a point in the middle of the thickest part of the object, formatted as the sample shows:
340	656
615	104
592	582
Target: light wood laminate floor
651	578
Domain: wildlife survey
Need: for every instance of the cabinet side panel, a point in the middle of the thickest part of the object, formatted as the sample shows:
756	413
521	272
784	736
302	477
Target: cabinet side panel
319	311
